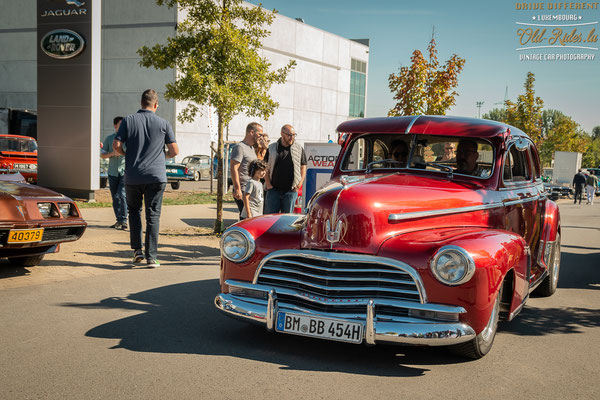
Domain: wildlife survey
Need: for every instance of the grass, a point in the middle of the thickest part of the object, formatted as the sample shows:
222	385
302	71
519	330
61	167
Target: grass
173	199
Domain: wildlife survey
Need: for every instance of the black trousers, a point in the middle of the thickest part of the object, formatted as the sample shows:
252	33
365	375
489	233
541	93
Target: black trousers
578	193
151	194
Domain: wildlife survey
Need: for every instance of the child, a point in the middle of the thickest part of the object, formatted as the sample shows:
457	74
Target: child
253	193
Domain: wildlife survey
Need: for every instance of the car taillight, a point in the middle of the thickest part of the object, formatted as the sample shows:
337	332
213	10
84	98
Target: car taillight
186	171
6	165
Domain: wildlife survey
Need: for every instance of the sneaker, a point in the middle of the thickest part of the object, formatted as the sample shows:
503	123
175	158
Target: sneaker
151	263
115	225
138	256
123	227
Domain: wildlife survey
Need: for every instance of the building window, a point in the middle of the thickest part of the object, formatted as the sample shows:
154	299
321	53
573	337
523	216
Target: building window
358	83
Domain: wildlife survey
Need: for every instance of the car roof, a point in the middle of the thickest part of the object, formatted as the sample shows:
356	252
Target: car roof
17	137
430	125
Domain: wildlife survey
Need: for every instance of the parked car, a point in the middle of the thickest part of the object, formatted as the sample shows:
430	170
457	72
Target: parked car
556	191
199	165
19	154
177	172
400	248
34	221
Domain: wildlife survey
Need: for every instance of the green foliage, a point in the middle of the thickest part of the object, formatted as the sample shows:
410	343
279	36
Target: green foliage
561	133
425	87
216	55
526	112
596	132
497	114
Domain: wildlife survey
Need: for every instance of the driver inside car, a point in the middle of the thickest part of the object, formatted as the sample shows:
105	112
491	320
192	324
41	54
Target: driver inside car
466	158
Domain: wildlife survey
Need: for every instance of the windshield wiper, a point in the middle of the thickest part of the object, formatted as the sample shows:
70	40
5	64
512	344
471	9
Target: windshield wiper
442	167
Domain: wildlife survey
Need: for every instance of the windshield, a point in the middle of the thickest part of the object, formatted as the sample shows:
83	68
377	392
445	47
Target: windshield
18	145
459	155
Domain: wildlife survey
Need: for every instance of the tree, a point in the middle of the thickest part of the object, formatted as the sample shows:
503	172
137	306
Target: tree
526	113
425	87
496	114
561	133
215	54
596	132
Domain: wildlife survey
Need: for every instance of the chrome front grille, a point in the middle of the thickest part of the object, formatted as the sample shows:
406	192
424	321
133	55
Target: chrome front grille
335	282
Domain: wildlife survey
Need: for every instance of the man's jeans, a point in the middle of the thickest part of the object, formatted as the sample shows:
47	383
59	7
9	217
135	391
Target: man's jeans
117	192
578	193
278	201
152	194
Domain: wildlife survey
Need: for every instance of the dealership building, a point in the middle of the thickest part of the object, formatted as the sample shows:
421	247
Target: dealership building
327	86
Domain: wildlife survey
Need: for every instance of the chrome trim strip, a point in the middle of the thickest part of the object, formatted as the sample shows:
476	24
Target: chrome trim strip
342	288
432	333
411	124
520	201
537	283
370	330
338	278
348	257
434	213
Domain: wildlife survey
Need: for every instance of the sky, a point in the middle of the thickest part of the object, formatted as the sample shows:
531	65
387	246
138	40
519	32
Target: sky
483	33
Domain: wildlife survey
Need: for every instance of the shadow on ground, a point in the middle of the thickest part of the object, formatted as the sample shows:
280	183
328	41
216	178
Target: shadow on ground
579	271
182	318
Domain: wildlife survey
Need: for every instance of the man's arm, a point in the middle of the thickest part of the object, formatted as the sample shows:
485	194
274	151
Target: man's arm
246	198
235	178
118	147
302	176
172	150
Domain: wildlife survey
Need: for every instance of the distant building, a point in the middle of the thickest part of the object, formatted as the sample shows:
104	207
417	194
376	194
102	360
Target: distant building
328	85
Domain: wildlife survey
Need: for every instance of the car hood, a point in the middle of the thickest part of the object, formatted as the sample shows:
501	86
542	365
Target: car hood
22	190
355	216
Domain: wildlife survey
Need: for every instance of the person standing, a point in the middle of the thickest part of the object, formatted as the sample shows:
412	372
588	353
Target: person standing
145	135
579	183
241	156
253	193
116	177
591	182
287	169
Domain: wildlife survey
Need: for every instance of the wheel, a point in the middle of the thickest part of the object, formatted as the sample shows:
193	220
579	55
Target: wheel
550	283
482	343
28	261
175	185
196	176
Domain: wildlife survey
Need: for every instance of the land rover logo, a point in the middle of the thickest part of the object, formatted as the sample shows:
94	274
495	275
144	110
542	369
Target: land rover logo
62	43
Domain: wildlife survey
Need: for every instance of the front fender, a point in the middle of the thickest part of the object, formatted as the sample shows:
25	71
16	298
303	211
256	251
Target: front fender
495	252
270	232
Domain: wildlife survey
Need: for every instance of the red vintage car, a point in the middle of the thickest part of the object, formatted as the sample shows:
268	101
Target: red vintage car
34	221
430	230
19	154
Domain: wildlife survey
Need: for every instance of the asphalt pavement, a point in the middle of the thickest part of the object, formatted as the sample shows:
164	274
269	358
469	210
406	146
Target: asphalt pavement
85	325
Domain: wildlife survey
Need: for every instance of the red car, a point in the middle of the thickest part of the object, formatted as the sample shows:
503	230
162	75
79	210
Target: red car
430	230
34	221
19	154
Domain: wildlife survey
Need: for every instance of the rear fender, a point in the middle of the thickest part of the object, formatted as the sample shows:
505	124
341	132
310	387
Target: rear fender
495	253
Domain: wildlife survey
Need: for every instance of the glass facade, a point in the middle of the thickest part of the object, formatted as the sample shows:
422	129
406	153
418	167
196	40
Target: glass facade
358	84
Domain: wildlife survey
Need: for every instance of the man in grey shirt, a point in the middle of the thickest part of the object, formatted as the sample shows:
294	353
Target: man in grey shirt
145	136
241	156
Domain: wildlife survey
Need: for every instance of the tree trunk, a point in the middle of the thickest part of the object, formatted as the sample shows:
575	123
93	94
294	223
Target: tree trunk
219	221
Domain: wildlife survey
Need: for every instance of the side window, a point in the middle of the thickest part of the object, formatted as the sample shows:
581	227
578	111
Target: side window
534	161
356	157
379	151
516	167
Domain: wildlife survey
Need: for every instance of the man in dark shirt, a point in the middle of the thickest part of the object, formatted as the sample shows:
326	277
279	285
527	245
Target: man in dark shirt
145	136
579	183
287	169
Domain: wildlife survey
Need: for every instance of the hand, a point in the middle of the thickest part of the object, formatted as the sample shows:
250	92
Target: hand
268	186
237	194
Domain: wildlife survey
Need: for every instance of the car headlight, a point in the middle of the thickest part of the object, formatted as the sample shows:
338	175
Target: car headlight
65	209
452	265
237	245
45	209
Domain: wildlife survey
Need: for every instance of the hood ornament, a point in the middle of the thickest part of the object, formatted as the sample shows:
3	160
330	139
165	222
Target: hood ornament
333	236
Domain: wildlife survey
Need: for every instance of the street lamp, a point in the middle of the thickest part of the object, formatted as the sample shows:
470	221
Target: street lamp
479	104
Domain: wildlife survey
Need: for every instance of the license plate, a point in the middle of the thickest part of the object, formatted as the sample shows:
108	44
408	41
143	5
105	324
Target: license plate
25	235
326	328
173	171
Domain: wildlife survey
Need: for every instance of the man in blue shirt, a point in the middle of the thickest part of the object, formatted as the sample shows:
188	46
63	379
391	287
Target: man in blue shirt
145	135
116	177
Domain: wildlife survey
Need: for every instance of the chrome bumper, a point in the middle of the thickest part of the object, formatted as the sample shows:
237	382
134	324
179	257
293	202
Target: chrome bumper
401	330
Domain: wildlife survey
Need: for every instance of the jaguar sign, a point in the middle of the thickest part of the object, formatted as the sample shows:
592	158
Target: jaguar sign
62	44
